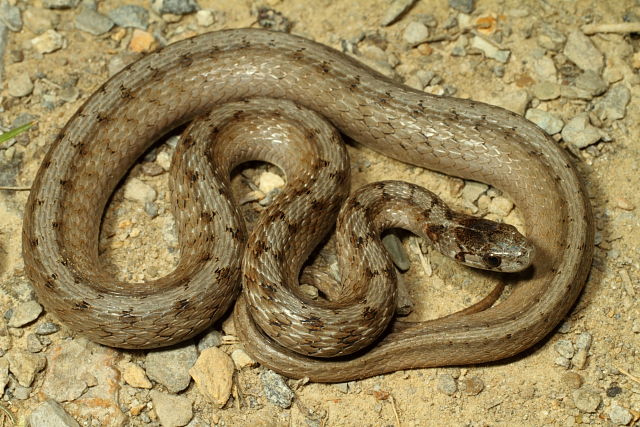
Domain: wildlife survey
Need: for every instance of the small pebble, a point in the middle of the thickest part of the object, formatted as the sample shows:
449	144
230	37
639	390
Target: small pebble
516	101
205	18
213	374
472	386
48	42
563	362
135	376
213	338
490	51
60	4
395	11
141	41
580	133
47	328
464	6
586	399
50	413
619	415
546	91
583	344
564	348
393	245
172	410
551	123
276	389
591	83
582	52
139	191
241	359
171	367
24	313
500	206
164	160
472	190
613	106
24	366
33	344
416	33
176	7
92	22
21	85
39	20
624	204
269	181
447	384
130	16
572	380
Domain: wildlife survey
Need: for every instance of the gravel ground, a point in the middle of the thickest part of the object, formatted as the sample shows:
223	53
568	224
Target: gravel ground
557	63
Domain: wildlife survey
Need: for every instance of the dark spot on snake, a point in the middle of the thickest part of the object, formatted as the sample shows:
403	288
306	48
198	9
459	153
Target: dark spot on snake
508	336
55	225
207	216
368	273
326	67
293	227
205	257
49	284
369	313
181	305
193	175
100	117
260	247
185	60
359	242
34	242
313	323
460	257
434	231
125	93
267	288
81	305
222	272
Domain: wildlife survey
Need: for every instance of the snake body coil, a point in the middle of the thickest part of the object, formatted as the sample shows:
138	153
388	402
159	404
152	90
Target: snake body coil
171	86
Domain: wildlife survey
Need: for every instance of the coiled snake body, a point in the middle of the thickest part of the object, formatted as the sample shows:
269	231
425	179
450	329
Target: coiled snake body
171	86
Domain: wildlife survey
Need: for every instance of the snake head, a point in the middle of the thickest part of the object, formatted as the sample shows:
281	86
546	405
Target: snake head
489	245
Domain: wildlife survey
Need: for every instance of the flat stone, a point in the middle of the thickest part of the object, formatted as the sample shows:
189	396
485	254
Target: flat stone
564	348
24	365
93	22
48	42
515	101
205	18
51	414
546	91
25	313
139	191
171	367
269	181
135	376
490	50
551	123
276	389
619	415
10	16
472	386
416	33
586	399
582	52
472	190
241	359
47	328
177	7
39	20
464	6
20	85
395	11
130	16
60	4
613	106
591	82
141	41
447	384
500	206
579	132
172	410
213	374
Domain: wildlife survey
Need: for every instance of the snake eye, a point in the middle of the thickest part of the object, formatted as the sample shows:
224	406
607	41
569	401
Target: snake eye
492	261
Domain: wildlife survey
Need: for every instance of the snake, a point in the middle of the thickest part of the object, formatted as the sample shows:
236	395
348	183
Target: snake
188	79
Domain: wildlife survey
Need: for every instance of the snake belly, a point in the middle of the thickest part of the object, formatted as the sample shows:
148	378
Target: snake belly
169	87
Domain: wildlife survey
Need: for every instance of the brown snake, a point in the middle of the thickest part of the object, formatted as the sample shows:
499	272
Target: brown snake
173	85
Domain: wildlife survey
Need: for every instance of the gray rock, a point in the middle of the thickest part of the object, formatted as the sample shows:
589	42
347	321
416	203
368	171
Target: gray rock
544	69
276	389
69	94
591	82
549	122
19	392
177	7
415	33
515	101
619	415
564	348
60	4
51	414
10	15
551	39
47	328
395	10
138	191
48	42
24	366
447	384
613	106
464	6
24	313
33	344
584	340
212	338
393	245
93	22
581	50
579	132
173	411
586	399
490	50
39	20
472	190
130	16
171	367
21	85
546	91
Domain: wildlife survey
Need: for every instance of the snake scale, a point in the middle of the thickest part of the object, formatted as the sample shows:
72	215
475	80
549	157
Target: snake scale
187	79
